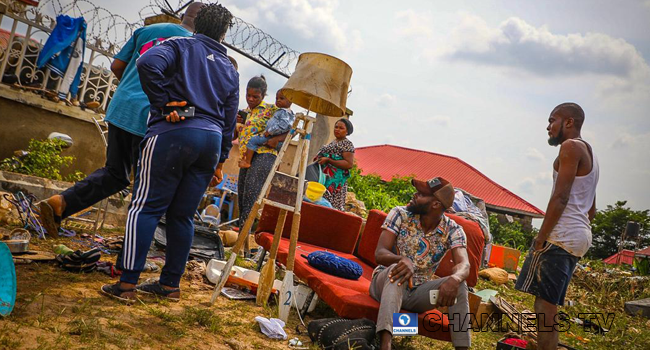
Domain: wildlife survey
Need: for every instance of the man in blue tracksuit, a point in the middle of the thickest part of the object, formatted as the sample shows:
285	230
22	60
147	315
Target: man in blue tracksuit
127	123
178	156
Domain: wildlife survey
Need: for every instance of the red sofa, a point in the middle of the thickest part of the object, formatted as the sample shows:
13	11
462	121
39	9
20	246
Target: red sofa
327	229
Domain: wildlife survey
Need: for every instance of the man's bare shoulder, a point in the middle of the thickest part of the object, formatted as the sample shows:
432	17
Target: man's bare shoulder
572	148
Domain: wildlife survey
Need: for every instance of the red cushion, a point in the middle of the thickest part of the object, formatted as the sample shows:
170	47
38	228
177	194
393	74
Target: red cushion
348	298
475	243
370	236
340	233
473	232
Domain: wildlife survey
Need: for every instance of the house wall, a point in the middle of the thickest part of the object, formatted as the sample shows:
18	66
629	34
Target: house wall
25	116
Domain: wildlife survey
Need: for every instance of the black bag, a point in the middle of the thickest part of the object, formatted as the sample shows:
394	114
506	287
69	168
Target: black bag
206	244
80	261
343	334
312	172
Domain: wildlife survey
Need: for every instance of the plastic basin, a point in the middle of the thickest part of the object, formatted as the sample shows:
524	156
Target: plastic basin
7	281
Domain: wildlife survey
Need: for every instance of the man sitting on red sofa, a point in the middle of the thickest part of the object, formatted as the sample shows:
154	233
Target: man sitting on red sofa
421	234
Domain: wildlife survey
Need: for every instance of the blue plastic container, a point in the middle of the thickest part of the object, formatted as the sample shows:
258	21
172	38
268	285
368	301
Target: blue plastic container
7	281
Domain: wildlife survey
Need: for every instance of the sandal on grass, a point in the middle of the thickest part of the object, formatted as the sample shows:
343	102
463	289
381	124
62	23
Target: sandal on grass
114	291
51	222
156	289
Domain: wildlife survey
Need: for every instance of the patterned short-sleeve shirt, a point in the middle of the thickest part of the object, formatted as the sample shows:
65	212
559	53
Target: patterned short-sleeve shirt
256	124
426	250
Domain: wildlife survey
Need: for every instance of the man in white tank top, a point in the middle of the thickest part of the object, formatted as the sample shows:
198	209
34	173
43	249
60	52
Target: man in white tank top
565	235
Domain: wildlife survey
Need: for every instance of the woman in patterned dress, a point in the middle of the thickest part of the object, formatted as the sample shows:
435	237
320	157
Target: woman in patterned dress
337	158
252	179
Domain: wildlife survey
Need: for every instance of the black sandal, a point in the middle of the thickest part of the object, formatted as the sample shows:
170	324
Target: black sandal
114	291
156	289
51	222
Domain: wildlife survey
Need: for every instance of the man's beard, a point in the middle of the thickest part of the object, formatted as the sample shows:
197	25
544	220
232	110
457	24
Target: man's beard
555	141
417	209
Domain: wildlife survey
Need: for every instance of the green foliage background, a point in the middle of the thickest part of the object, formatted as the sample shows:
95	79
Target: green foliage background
44	159
609	224
606	227
378	194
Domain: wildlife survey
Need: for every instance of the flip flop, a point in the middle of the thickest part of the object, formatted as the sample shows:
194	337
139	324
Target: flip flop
156	289
114	291
51	222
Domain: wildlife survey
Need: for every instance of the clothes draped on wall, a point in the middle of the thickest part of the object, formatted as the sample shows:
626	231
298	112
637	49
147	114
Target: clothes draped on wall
63	53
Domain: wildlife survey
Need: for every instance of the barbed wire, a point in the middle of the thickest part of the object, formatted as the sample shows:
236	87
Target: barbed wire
244	38
105	29
108	31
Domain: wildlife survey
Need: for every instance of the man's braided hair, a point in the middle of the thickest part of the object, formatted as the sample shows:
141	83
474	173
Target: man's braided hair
213	21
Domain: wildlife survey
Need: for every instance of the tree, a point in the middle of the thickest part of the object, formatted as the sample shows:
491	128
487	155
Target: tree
609	224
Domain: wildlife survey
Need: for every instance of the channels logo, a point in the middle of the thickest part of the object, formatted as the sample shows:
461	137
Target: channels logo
405	324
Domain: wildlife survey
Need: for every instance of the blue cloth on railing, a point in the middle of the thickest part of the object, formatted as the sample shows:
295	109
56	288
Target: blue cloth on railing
334	265
63	52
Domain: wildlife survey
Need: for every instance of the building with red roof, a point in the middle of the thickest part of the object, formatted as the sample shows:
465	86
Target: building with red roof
388	161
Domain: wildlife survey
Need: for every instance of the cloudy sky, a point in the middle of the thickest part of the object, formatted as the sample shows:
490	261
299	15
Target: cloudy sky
477	79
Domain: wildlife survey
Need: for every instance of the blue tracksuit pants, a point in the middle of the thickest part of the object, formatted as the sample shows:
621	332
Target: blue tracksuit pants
173	172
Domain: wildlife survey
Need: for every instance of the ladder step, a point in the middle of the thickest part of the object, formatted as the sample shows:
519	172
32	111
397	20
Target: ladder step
278	205
287	175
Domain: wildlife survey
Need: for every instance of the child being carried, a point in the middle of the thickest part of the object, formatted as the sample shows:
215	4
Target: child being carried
279	124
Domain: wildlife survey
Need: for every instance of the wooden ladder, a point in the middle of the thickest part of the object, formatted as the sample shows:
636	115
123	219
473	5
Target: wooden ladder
284	191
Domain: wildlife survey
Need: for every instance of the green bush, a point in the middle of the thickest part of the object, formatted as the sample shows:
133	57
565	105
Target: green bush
379	194
511	234
43	159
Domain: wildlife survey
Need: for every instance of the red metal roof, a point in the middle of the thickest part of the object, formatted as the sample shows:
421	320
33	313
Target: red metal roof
645	251
626	257
388	161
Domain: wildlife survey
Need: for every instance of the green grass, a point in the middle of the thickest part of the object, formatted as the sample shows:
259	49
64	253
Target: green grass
57	309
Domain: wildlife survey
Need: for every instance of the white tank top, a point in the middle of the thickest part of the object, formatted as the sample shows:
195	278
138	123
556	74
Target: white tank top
573	232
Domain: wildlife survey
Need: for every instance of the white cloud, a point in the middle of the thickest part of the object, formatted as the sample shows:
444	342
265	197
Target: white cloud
625	140
519	45
534	154
299	23
541	181
527	185
421	122
440	120
386	100
414	24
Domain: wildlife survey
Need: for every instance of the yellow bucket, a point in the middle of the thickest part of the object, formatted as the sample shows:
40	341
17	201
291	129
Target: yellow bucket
314	191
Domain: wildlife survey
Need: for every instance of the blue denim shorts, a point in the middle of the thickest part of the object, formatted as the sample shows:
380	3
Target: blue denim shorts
547	273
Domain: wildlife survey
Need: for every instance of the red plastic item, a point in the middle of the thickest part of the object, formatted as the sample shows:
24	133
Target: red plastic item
504	257
516	342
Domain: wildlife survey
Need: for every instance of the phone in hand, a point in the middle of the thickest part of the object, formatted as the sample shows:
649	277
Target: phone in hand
187	111
433	297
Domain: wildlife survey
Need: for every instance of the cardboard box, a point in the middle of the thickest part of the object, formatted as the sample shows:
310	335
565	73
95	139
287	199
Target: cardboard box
483	313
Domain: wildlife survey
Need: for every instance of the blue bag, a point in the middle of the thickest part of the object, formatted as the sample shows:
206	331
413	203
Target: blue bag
334	265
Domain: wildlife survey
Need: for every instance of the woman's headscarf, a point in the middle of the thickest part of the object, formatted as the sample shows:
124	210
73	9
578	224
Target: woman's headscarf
348	125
